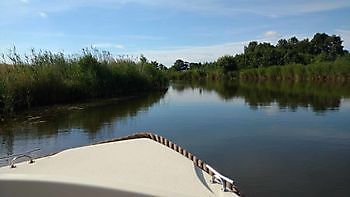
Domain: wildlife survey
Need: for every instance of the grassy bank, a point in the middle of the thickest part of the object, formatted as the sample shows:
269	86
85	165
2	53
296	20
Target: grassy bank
338	70
46	78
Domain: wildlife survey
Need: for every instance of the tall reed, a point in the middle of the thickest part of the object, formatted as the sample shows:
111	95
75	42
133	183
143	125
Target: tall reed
338	70
44	78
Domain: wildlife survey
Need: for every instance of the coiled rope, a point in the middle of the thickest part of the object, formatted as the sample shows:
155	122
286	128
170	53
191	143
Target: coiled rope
199	163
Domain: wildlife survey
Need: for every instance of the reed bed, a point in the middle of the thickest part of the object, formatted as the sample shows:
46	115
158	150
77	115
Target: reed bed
338	70
45	78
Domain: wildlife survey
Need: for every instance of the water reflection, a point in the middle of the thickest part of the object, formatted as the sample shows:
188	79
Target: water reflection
88	118
321	97
94	119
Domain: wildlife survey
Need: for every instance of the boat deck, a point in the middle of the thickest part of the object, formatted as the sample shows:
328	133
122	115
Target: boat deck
131	167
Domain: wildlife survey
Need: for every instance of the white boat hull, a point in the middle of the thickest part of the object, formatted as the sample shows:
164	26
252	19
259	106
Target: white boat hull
135	167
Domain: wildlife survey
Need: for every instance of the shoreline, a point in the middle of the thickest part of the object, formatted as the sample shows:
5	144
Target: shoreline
35	113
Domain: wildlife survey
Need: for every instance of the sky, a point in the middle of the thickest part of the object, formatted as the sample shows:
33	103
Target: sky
165	30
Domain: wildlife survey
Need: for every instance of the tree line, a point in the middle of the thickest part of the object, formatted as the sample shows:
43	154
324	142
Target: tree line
321	48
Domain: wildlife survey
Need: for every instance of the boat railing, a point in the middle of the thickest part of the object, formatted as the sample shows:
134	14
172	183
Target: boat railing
219	178
11	159
12	162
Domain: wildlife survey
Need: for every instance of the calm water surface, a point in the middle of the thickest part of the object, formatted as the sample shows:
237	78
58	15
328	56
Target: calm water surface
274	139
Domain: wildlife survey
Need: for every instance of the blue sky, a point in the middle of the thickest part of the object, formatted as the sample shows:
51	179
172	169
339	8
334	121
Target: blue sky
165	30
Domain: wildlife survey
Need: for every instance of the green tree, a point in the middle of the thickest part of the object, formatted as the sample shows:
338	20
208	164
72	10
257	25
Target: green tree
180	65
228	63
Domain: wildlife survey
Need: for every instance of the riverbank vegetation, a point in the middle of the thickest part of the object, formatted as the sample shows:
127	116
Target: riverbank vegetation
44	78
321	58
338	70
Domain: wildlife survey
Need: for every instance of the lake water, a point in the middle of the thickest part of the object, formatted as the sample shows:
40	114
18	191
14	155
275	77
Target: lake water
274	139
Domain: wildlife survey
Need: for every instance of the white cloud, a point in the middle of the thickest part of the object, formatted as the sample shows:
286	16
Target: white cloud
266	8
42	14
108	46
271	34
144	37
193	53
345	35
216	7
119	46
207	53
